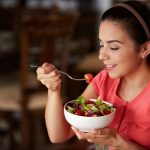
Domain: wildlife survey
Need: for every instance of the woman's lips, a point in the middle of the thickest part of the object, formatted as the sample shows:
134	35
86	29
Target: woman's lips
110	67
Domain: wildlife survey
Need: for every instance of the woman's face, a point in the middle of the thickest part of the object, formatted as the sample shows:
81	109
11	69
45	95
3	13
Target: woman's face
117	50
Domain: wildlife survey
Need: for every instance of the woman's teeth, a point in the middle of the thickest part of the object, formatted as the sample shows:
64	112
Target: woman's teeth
110	66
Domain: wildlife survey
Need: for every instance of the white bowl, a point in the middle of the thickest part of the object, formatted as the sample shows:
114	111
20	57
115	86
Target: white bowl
86	124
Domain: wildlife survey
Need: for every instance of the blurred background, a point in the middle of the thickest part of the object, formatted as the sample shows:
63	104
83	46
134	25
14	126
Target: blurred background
62	32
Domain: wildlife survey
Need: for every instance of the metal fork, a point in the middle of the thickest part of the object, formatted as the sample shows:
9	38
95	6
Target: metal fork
62	72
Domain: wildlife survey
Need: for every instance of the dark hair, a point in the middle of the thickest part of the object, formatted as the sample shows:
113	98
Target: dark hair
129	21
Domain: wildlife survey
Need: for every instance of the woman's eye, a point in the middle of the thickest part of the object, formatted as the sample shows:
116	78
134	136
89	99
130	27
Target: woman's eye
114	48
101	46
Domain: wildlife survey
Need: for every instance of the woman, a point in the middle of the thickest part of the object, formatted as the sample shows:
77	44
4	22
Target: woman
125	82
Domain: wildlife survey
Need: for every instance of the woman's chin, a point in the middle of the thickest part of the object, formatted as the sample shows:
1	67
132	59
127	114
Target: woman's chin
113	75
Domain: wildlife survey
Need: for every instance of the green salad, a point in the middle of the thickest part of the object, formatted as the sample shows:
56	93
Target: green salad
89	108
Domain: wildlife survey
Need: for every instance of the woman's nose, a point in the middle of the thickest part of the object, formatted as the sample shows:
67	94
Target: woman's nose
103	55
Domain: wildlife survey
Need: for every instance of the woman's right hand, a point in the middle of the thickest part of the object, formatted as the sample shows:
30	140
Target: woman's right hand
49	76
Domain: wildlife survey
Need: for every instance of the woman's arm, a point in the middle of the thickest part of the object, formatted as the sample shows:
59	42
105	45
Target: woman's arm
58	128
108	136
122	144
89	92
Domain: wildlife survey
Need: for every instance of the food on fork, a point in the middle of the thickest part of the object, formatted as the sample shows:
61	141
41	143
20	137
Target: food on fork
88	77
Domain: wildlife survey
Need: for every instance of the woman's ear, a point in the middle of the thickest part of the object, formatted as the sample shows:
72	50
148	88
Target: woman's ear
145	49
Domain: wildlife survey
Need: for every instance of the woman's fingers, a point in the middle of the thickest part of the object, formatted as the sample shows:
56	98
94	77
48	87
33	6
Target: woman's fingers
48	67
45	68
55	86
45	64
50	80
83	135
49	76
93	135
77	132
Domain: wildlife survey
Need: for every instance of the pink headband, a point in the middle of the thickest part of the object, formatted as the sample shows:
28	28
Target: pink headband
137	15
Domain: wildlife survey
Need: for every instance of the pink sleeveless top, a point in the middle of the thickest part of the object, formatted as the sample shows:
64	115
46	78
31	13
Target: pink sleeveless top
132	119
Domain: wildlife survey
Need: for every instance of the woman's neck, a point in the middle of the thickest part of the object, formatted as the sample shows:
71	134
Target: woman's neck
131	85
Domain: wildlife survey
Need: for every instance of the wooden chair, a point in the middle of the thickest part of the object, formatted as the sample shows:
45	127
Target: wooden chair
39	33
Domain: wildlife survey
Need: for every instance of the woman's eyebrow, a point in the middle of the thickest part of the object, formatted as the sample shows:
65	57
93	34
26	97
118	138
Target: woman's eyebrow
112	41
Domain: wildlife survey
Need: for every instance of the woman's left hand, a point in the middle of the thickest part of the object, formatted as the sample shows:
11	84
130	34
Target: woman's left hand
106	136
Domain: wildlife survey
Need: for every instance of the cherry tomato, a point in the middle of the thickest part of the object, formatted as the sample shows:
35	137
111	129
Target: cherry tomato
79	112
89	102
88	77
106	112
